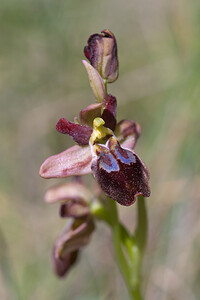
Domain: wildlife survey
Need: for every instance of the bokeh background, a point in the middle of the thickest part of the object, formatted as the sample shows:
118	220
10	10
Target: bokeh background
41	80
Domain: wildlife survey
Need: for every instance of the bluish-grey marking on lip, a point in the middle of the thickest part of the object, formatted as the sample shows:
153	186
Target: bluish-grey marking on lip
108	163
130	159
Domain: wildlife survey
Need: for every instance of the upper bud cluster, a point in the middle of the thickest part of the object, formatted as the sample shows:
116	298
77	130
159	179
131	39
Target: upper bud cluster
101	51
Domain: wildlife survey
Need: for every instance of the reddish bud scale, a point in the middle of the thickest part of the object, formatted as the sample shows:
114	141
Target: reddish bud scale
109	113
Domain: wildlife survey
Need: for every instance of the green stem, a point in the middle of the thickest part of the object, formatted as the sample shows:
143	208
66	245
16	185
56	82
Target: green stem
117	241
140	237
99	211
105	85
141	231
126	269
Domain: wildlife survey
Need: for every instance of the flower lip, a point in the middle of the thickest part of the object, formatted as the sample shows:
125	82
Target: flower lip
120	172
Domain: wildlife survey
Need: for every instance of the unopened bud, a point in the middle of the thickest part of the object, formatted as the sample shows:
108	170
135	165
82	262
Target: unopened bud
101	51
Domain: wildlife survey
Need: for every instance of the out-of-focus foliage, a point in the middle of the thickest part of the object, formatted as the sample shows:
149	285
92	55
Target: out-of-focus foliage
41	80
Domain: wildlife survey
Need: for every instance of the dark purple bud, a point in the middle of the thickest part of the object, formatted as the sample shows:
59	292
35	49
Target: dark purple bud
109	112
120	172
62	266
79	133
75	209
76	235
101	51
91	50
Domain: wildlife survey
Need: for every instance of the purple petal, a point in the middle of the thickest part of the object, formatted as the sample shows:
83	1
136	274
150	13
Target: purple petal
76	235
109	112
94	50
79	133
120	172
127	132
71	162
88	114
66	248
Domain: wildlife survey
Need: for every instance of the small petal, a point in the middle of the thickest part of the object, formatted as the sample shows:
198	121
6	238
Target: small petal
88	114
120	172
70	191
79	133
109	112
127	132
71	162
96	81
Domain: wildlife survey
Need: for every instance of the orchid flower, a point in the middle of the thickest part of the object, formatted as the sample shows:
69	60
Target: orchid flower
126	174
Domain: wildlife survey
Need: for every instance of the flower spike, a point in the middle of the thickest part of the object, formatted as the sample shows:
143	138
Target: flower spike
105	148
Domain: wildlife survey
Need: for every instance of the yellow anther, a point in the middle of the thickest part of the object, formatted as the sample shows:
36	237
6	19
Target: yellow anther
98	122
99	131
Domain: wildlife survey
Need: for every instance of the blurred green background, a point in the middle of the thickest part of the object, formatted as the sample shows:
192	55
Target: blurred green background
41	80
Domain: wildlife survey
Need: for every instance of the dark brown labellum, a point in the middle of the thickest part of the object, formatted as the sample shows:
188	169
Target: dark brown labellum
120	172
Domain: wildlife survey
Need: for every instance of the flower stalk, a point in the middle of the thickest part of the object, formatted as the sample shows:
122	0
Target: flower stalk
131	268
